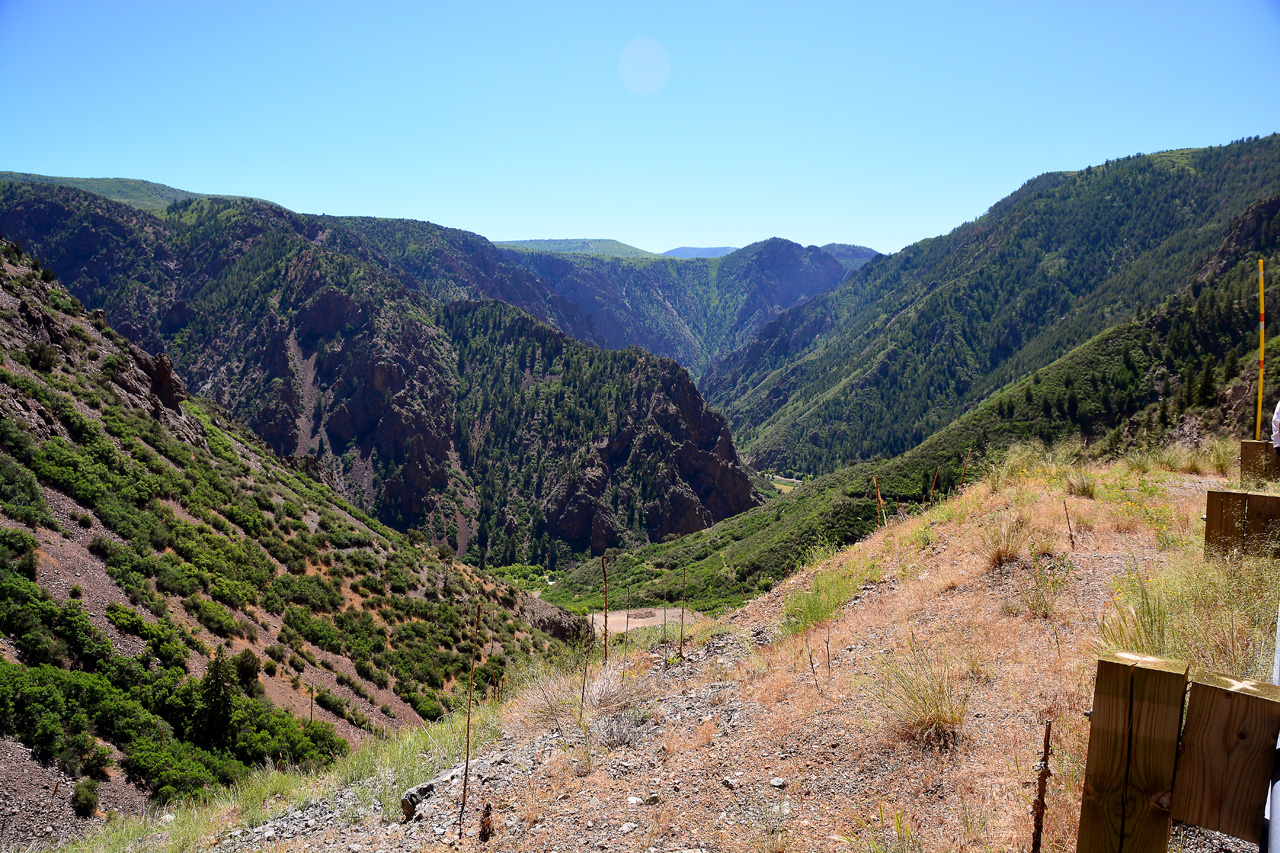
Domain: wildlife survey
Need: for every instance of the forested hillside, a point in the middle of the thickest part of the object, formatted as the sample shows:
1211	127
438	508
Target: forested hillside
913	340
850	256
1185	372
328	352
145	195
172	596
598	291
448	264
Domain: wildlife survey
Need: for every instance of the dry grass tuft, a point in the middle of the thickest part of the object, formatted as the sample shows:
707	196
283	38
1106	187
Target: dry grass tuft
1044	582
705	733
1082	483
773	688
1005	538
673	743
1224	455
1180	457
924	703
552	697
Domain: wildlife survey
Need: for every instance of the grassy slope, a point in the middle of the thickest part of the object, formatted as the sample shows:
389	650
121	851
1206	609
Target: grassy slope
1119	383
586	247
913	340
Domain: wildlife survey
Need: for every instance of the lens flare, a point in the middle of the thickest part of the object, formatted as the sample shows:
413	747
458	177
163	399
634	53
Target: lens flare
644	66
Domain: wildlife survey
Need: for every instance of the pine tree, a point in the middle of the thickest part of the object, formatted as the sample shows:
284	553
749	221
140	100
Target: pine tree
1206	392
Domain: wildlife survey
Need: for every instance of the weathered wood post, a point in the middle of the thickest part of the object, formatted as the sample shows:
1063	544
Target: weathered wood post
1257	462
1133	752
1247	522
1228	750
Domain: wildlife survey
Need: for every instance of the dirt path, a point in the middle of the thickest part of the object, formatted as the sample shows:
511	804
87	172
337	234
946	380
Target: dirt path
643	617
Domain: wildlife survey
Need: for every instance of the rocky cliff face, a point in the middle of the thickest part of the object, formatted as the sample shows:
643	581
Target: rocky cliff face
327	352
693	310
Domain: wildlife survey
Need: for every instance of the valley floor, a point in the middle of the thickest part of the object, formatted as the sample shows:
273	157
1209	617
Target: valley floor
784	728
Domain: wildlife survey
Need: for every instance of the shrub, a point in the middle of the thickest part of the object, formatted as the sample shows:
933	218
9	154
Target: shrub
213	616
41	357
84	799
247	668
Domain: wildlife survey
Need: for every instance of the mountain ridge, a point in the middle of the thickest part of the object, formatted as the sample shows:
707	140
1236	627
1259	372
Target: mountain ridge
911	340
679	312
593	246
686	252
299	328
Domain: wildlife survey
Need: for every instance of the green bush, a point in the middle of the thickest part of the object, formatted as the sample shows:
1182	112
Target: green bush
84	798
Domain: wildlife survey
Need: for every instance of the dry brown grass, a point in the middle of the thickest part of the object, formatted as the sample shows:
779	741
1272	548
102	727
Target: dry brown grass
552	698
773	688
674	743
1005	537
657	826
705	733
921	697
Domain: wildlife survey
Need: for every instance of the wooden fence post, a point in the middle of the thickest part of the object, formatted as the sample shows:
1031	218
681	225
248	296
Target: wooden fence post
1228	749
1133	752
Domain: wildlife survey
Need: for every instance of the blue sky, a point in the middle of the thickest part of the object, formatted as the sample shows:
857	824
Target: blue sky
871	123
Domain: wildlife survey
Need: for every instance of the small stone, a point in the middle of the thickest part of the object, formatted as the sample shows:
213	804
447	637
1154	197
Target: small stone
654	799
730	783
778	782
629	827
354	848
633	801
